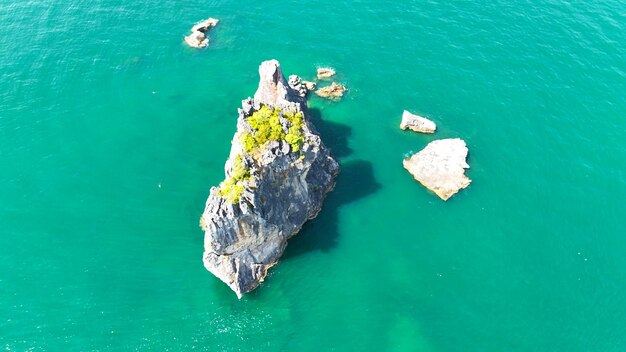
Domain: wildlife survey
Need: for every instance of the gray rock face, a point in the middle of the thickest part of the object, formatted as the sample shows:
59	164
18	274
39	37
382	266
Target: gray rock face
440	166
283	188
417	123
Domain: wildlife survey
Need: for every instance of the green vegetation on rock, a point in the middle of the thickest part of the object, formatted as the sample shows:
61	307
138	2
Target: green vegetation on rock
266	126
232	187
294	135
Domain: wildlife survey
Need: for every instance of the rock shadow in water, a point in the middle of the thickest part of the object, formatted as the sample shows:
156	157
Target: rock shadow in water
334	135
355	181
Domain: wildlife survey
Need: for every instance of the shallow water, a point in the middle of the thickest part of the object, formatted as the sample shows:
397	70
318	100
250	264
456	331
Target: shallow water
112	132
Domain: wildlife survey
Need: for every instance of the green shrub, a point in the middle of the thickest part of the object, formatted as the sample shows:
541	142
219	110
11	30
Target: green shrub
294	136
240	172
231	191
265	124
232	188
249	143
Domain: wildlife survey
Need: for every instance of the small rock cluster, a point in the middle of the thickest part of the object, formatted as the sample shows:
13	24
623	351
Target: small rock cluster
334	91
301	87
198	38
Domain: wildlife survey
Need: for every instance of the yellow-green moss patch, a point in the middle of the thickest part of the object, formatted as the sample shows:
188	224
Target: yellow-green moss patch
232	187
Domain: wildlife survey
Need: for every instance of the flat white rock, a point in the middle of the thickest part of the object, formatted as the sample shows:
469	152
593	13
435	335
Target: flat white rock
441	166
417	123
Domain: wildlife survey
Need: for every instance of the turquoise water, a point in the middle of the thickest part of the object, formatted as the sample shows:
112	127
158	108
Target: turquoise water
112	132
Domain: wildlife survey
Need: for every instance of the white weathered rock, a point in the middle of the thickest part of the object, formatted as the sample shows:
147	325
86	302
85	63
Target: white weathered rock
441	166
204	26
300	86
296	83
325	72
274	90
284	189
310	86
333	91
417	123
198	38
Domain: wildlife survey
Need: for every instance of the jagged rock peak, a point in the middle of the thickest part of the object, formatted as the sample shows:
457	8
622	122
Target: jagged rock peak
274	90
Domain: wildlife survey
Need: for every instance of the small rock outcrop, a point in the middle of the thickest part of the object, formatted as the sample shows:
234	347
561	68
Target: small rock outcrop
277	177
198	38
334	91
325	72
204	26
296	83
301	86
440	166
417	123
310	86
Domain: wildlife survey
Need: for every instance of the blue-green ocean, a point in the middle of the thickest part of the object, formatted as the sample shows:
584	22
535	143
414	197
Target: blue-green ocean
112	132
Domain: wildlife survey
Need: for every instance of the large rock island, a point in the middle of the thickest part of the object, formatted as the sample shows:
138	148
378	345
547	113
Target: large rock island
277	176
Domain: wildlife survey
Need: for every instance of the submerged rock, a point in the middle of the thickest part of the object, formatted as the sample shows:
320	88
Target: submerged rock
277	176
334	91
197	38
417	123
325	72
441	166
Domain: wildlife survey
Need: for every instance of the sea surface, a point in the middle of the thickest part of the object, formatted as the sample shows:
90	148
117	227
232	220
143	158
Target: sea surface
112	132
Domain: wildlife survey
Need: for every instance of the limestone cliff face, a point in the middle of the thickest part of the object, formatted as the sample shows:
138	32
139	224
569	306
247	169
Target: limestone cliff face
271	189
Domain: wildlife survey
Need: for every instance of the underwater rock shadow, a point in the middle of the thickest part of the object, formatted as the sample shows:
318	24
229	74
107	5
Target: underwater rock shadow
334	135
355	181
